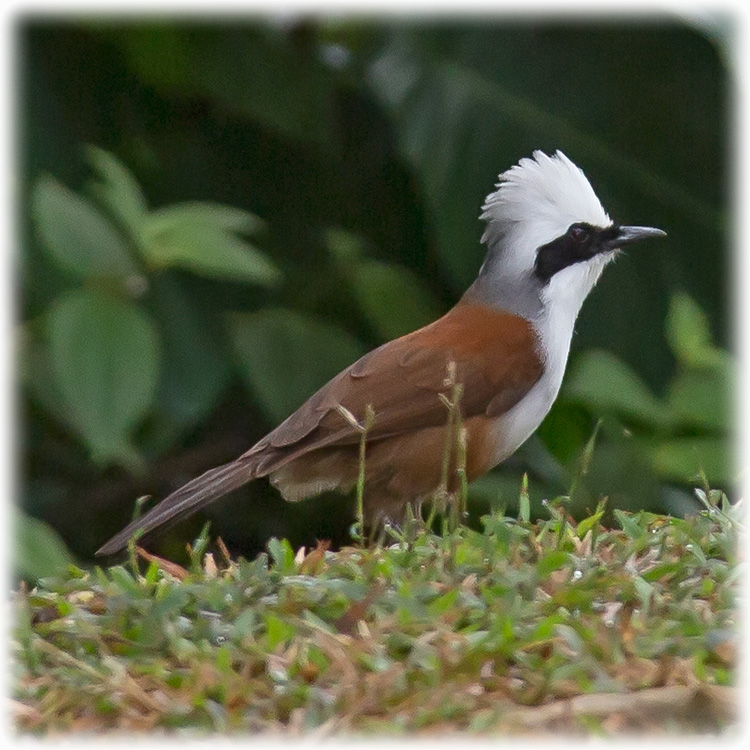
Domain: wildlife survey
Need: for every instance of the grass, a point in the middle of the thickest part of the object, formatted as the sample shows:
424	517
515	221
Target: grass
523	628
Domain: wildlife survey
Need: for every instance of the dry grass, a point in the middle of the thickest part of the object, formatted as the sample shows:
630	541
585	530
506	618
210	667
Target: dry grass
524	628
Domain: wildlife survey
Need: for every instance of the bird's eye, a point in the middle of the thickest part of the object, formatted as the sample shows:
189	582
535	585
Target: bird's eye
578	233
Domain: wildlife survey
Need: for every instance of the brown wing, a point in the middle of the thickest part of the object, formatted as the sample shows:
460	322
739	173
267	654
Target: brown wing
496	362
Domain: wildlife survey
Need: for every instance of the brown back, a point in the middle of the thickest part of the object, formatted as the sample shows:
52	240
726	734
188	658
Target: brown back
497	362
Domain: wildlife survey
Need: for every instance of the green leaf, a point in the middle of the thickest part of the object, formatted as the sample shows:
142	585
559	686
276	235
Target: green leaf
444	603
118	190
195	362
205	213
35	370
394	299
689	334
282	554
601	382
105	360
277	631
524	503
629	524
201	239
587	524
644	590
76	234
684	459
38	550
552	561
286	356
343	245
701	398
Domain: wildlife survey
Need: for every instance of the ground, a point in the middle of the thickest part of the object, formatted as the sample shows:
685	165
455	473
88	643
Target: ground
522	628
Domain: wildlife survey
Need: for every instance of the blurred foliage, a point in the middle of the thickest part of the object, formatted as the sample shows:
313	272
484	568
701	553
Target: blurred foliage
39	552
267	199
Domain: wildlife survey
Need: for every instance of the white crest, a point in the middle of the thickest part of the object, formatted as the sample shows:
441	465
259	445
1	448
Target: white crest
536	201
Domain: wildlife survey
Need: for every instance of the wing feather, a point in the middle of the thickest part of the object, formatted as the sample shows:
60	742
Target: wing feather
497	362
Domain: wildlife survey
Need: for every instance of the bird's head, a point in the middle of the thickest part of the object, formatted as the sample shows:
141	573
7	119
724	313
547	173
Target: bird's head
548	236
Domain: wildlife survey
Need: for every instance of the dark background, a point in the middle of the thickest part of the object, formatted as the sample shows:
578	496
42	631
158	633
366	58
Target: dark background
366	147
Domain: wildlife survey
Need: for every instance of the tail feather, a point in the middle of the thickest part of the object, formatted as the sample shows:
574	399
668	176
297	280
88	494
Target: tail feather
184	501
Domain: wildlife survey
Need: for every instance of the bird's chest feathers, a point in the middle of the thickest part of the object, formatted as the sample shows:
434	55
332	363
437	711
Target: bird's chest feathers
511	429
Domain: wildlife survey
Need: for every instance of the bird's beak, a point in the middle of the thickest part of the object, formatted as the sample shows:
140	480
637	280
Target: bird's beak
629	235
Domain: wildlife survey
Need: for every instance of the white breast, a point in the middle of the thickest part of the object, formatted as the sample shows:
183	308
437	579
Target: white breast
517	424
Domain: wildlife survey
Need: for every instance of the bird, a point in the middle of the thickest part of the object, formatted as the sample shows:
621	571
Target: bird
505	344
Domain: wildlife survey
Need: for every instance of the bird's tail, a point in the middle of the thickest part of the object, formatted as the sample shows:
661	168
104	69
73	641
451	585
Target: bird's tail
184	501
